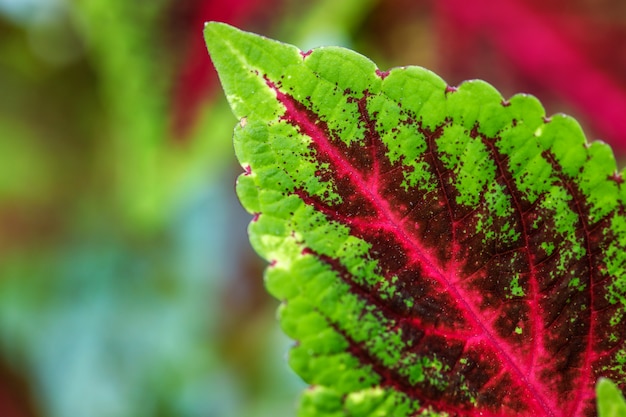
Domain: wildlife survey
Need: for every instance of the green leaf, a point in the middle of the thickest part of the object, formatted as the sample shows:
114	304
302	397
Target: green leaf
610	400
437	250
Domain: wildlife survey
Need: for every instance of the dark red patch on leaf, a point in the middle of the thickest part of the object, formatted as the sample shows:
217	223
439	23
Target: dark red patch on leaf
617	177
382	74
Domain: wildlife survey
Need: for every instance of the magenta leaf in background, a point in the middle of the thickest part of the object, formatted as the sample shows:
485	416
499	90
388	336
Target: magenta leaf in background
545	49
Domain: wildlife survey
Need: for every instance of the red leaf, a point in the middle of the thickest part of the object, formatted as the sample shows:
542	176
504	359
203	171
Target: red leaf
539	46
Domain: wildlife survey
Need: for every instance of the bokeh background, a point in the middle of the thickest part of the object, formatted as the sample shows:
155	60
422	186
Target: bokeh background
127	285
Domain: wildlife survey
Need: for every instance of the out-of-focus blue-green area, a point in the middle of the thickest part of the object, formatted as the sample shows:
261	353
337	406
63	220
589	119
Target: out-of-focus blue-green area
127	285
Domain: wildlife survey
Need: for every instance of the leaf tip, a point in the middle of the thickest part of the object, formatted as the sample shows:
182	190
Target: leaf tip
211	26
215	25
214	32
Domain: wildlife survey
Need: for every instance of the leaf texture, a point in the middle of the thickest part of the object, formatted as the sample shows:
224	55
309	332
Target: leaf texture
437	250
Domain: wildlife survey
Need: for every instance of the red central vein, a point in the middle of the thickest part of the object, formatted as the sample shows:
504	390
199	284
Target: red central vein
360	289
310	127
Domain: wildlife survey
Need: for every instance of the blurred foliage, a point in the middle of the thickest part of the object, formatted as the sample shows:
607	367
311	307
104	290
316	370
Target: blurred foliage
122	244
127	286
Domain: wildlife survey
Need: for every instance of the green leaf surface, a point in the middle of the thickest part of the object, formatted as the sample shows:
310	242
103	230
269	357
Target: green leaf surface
610	400
438	250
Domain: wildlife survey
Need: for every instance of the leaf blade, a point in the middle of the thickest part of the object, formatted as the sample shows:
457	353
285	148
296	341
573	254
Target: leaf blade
441	242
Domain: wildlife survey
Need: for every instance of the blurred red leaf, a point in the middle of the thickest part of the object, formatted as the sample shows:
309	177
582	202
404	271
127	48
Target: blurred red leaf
15	399
196	75
561	47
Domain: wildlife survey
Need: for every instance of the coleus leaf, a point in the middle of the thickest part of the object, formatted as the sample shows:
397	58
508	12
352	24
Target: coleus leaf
438	250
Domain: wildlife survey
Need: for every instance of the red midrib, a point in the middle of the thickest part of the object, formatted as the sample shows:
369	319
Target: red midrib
302	120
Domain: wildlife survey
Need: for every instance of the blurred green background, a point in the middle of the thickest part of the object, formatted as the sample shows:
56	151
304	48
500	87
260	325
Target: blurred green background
127	285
